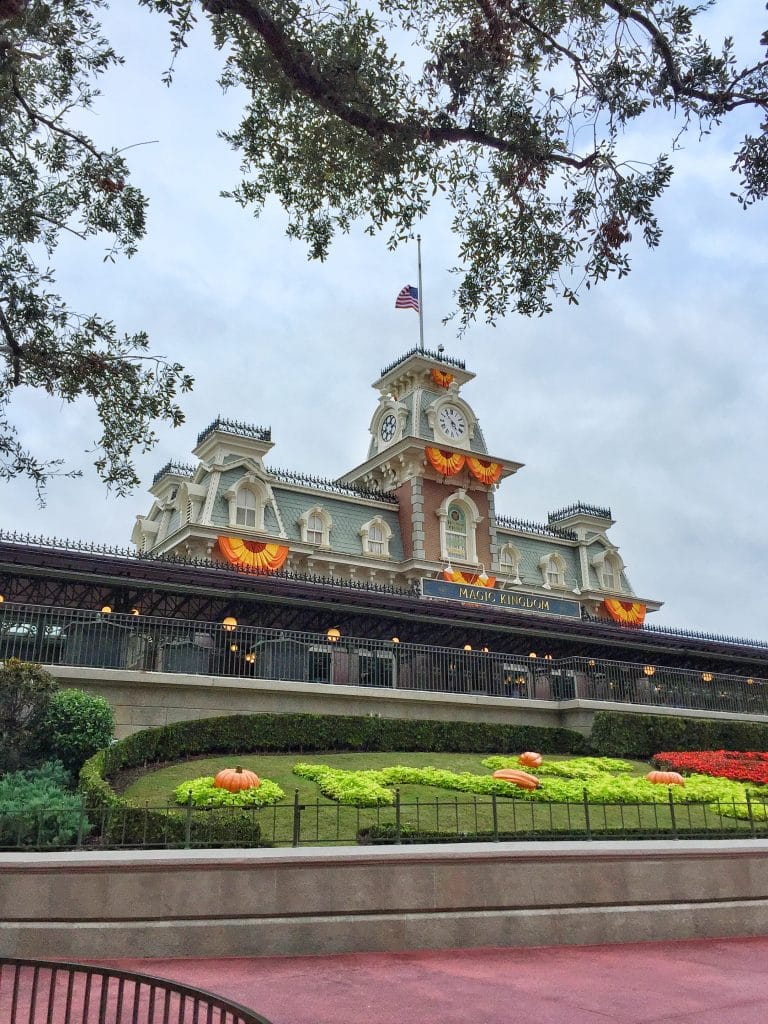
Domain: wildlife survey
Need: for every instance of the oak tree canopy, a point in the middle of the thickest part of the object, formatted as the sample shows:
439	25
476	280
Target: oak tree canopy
525	116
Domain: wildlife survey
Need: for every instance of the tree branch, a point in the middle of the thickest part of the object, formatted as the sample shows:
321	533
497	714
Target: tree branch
13	346
299	68
679	87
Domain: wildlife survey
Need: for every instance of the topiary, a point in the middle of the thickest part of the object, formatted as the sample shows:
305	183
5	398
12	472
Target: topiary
76	724
26	690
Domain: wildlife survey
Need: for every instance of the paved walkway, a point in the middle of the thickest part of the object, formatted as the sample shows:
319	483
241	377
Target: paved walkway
720	981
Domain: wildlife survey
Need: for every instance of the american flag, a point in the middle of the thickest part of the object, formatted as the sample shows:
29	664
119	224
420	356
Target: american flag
408	298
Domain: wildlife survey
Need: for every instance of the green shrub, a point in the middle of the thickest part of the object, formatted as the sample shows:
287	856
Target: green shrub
616	734
76	725
25	693
38	809
327	733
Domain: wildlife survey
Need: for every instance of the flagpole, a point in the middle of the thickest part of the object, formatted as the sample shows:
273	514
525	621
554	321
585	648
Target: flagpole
421	299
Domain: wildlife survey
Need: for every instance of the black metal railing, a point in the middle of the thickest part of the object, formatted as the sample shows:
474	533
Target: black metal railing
127	825
320	483
172	468
57	992
580	508
439	357
236	428
540	529
104	639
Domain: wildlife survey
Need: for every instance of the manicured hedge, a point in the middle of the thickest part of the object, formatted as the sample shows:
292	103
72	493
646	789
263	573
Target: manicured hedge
327	733
640	736
125	824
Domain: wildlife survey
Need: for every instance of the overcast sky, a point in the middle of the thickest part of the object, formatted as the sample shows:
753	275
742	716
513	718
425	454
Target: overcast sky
648	397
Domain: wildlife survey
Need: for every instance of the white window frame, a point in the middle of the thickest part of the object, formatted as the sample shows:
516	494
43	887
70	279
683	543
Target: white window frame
510	567
609	562
377	523
552	568
473	518
257	490
325	527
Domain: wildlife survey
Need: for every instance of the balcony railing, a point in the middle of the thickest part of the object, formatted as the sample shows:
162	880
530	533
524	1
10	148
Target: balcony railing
53	992
102	639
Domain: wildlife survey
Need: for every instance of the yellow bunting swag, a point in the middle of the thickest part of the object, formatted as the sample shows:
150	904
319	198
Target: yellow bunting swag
471	579
446	463
251	554
485	472
441	377
628	613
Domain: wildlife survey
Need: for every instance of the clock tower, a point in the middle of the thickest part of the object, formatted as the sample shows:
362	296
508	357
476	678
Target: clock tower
427	447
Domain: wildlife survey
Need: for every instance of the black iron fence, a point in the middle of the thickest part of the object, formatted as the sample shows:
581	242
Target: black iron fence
52	992
324	822
104	639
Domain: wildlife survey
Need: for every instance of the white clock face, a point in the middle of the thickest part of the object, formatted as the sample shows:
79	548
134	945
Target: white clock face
388	427
452	422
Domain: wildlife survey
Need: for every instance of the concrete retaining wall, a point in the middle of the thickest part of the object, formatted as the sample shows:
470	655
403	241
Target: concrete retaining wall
310	901
142	700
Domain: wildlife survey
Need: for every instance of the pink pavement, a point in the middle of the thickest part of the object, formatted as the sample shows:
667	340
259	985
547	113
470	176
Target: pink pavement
710	981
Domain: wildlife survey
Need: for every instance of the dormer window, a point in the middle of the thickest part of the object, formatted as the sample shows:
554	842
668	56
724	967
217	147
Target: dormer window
315	525
314	529
552	570
376	536
608	566
509	561
376	540
245	510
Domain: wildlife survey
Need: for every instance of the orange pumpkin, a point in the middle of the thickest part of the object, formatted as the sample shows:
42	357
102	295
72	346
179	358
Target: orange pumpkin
530	759
517	778
666	778
235	779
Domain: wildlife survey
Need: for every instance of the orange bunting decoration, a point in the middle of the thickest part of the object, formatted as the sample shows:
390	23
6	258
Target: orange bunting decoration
628	613
471	579
485	472
446	463
251	554
441	377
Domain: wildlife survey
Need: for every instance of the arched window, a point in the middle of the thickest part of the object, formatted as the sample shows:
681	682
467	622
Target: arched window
552	570
376	540
376	536
608	566
459	517
456	533
314	529
315	525
509	561
245	510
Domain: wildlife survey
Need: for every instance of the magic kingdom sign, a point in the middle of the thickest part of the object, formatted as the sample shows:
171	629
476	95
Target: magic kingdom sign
511	601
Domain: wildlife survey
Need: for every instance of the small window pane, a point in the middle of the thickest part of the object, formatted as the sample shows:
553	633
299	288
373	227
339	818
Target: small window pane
376	540
245	513
456	533
314	529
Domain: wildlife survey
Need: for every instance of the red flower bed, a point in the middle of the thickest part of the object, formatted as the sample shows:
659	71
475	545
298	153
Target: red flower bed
737	765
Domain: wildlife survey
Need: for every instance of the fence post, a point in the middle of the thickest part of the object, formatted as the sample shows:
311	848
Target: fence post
398	838
188	822
749	813
81	823
495	812
587	822
296	818
672	813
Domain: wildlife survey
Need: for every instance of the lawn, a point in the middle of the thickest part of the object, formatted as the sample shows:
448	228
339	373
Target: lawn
421	807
